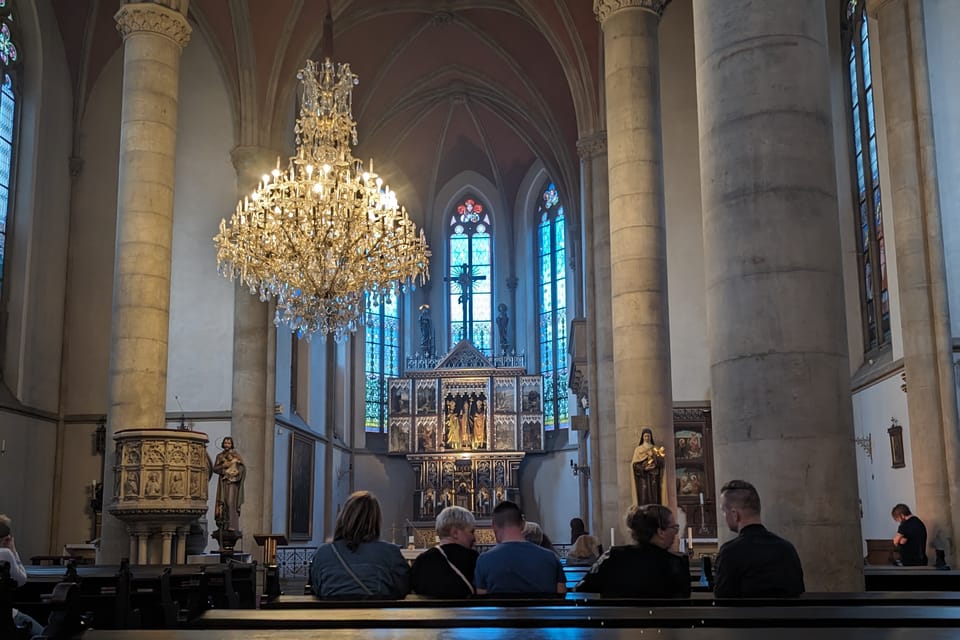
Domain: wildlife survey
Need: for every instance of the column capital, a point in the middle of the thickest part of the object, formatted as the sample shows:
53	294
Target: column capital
592	145
603	9
251	162
153	18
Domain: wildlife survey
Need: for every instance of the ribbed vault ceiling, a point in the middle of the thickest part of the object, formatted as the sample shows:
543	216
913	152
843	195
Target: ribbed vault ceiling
446	86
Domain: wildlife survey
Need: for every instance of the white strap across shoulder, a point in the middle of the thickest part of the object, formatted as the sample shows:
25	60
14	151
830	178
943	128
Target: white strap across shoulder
455	569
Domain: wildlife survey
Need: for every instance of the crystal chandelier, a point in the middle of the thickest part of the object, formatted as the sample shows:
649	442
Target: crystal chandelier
320	233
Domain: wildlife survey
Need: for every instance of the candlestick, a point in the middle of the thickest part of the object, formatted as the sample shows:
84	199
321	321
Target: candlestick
701	497
611	537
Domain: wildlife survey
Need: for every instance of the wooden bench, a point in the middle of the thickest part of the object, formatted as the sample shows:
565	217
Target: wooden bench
910	579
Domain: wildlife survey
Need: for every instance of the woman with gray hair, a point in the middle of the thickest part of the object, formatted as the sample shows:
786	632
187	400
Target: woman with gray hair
446	570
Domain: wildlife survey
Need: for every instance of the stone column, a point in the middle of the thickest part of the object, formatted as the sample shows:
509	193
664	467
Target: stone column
166	544
921	270
153	39
780	379
251	328
182	533
638	243
603	476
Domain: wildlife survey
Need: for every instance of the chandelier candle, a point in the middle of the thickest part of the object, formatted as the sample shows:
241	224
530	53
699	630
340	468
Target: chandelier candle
322	232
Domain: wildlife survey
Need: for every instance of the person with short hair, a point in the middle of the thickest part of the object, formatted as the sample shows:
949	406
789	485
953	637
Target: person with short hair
911	538
757	562
446	570
357	564
516	565
646	569
8	554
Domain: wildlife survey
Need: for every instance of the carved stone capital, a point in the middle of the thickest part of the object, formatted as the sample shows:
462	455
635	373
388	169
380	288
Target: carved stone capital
153	18
603	9
592	145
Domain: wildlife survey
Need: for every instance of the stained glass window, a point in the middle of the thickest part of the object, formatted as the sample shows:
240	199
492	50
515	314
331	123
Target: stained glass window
552	299
7	108
470	277
871	247
381	358
8	60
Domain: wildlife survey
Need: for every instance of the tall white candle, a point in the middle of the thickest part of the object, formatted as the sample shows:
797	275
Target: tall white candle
690	537
611	537
701	497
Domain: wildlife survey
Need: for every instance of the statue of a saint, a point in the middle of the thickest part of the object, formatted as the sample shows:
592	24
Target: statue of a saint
647	466
452	423
480	424
466	439
502	323
426	331
232	471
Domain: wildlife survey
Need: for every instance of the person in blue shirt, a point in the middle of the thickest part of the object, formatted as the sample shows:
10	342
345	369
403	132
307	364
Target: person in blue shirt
516	566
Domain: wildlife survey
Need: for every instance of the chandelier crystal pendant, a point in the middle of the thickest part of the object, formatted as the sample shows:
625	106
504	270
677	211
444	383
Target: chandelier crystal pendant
320	233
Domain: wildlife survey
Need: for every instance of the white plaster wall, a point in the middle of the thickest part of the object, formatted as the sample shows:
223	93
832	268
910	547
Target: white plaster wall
690	366
942	22
881	486
391	479
26	475
550	493
200	352
38	214
92	235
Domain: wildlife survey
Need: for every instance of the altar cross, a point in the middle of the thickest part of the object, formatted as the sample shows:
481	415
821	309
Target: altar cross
464	280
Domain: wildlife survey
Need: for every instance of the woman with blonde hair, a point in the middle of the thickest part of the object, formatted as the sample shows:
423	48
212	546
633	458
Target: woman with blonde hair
584	552
357	564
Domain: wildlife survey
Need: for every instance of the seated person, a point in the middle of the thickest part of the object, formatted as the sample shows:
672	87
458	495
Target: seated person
357	563
533	532
8	554
584	552
516	566
757	563
645	569
911	538
446	570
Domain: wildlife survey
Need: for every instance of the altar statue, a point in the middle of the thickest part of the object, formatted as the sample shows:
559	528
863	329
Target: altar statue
452	424
647	466
480	424
232	471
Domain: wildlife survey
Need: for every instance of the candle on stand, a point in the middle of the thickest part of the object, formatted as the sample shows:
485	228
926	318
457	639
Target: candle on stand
701	497
611	537
690	537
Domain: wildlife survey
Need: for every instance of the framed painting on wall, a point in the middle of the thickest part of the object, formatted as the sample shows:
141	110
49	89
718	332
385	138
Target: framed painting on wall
300	495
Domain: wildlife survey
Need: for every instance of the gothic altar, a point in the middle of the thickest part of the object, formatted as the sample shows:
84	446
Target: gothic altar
465	423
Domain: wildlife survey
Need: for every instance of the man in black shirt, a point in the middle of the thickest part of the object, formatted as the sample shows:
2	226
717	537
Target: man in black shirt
911	538
757	563
446	570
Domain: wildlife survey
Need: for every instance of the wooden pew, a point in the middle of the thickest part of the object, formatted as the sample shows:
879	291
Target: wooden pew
910	579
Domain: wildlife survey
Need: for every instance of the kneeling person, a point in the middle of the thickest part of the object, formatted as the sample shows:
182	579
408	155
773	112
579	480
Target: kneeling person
447	569
515	565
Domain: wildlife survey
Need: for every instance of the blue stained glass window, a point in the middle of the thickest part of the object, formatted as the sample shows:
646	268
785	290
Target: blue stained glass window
551	260
470	249
867	201
381	359
7	122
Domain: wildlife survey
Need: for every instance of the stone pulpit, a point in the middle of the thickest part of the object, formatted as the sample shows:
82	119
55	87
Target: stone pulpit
160	480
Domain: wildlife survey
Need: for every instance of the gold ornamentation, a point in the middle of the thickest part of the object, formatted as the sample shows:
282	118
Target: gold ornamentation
322	232
153	18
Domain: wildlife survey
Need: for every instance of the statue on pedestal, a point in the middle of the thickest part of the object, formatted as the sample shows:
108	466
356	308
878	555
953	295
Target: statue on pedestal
502	323
647	463
230	467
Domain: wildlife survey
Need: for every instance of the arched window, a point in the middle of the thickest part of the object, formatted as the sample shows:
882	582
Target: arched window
871	251
9	58
552	299
381	359
470	277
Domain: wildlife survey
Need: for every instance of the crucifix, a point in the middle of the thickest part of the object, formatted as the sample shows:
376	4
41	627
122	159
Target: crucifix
463	280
